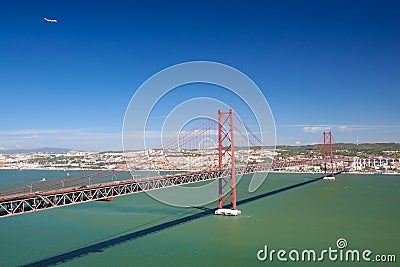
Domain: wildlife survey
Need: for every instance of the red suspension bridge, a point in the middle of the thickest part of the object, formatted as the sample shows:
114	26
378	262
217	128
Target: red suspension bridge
219	148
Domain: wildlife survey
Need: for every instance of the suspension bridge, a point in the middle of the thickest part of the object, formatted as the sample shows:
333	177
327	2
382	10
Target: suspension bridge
219	148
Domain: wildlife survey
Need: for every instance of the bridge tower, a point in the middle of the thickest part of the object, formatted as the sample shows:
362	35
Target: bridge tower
328	155
226	147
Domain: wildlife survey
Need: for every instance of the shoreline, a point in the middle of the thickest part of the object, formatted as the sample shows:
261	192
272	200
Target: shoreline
286	172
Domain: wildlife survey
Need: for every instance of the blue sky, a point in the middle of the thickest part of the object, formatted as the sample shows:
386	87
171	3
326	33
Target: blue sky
320	64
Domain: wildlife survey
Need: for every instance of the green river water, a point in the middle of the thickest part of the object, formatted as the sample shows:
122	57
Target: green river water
137	230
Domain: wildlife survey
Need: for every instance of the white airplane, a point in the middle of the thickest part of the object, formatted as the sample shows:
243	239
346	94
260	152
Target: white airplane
50	20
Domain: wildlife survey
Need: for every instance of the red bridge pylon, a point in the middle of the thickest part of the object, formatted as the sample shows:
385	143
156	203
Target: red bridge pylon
226	149
328	155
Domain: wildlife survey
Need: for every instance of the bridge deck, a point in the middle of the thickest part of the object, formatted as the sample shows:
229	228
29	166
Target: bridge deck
24	202
31	202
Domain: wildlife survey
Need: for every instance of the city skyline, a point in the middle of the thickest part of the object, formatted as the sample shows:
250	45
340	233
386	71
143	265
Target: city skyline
321	67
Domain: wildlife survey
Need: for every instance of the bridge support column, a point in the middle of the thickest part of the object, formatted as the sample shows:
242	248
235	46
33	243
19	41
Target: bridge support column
328	156
226	149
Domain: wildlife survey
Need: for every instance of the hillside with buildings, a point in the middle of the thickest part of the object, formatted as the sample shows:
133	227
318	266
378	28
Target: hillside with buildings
369	157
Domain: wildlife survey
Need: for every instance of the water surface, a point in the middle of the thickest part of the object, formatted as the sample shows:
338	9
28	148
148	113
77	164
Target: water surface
137	230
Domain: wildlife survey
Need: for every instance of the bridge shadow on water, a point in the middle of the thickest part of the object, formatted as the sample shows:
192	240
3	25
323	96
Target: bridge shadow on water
100	246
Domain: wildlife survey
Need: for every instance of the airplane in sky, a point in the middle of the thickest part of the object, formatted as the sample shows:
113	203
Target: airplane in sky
50	20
